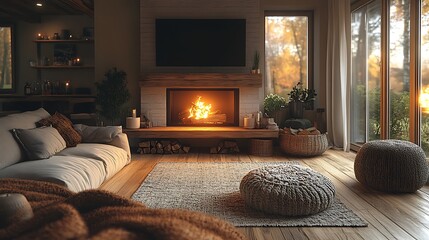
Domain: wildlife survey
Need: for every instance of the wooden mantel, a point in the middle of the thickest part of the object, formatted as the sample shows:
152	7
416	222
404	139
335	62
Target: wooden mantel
201	80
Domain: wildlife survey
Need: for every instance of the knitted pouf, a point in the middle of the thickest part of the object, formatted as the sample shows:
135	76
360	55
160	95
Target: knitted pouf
391	166
288	190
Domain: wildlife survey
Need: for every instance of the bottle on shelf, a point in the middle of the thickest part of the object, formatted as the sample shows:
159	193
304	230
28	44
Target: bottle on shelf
27	88
47	87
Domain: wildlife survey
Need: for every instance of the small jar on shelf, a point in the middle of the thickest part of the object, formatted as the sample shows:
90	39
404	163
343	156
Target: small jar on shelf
27	88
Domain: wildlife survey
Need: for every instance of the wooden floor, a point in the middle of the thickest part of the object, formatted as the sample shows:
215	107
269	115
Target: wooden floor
390	216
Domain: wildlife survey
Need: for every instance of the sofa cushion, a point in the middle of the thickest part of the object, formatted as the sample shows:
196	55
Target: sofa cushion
64	127
113	158
12	152
39	143
91	134
76	173
121	141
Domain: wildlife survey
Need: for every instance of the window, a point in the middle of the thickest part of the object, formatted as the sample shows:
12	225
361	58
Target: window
6	59
424	73
366	53
288	51
390	65
399	69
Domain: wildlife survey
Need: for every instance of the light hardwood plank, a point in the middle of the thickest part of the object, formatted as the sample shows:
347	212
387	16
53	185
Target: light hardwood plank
390	216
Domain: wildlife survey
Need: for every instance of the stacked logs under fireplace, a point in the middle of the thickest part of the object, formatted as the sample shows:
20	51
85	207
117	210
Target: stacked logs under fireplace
174	146
164	146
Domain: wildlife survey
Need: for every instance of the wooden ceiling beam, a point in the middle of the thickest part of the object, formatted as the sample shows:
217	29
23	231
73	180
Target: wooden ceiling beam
26	10
15	10
80	6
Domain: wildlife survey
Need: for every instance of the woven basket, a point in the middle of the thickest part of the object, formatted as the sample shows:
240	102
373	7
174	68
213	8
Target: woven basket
304	145
261	147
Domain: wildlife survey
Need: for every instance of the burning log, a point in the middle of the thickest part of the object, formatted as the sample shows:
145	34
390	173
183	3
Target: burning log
211	119
201	113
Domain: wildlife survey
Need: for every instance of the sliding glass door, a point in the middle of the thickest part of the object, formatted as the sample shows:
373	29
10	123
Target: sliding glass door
366	60
390	71
424	74
399	69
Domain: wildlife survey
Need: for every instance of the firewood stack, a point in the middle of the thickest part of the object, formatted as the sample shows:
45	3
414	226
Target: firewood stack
226	146
163	146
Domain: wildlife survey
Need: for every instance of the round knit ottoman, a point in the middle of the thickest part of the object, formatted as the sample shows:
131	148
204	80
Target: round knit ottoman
391	166
288	190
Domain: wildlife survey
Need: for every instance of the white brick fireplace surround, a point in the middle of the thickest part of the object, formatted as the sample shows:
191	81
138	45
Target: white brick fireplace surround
153	96
154	99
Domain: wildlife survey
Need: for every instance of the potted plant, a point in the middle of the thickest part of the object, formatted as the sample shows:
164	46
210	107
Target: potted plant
112	94
300	98
255	66
273	104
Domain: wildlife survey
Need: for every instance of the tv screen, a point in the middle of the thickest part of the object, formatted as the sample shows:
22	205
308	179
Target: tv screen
200	42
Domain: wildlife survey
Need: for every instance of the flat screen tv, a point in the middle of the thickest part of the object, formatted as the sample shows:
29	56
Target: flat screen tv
201	42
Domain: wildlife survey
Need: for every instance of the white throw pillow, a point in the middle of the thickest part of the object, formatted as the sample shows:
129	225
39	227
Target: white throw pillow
121	141
91	134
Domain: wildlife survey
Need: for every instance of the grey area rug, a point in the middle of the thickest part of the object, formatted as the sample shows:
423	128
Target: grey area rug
213	188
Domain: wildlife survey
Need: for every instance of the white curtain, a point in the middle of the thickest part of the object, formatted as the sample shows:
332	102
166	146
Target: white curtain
338	73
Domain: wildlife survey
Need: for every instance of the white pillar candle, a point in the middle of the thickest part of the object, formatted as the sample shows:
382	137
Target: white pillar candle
134	113
133	122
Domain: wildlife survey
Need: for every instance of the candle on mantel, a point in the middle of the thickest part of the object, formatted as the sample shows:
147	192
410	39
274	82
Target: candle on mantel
39	36
77	61
134	113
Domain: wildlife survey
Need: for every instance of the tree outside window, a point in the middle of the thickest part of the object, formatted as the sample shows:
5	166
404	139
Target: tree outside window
287	51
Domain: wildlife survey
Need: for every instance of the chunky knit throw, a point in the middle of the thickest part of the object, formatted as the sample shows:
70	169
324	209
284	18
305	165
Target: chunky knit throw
96	214
391	166
289	190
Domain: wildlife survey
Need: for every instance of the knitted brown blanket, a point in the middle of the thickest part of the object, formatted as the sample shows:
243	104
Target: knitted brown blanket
96	214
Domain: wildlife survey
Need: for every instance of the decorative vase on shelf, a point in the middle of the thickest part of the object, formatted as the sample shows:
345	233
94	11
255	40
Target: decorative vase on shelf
296	109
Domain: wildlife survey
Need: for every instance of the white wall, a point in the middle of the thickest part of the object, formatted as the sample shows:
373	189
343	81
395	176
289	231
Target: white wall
253	11
153	100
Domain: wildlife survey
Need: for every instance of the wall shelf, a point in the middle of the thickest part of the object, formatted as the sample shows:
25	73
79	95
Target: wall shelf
65	41
63	103
63	67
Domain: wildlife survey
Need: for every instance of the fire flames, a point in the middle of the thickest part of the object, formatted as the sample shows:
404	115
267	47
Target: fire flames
199	110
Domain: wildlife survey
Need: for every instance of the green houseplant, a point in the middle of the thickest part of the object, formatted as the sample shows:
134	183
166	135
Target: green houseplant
255	66
273	103
300	98
112	94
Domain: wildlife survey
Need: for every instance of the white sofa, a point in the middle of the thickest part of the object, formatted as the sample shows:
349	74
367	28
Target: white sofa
85	166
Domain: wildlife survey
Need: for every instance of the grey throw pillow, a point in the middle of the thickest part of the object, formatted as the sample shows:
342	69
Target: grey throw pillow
39	143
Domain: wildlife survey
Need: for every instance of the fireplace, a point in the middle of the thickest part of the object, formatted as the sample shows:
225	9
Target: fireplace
202	107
